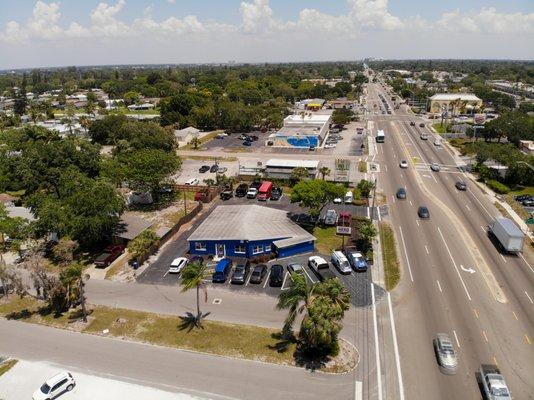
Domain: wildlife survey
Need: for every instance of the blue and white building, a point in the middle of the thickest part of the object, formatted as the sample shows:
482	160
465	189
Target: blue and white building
249	231
301	130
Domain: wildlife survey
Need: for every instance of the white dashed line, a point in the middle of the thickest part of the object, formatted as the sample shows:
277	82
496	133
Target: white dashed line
426	249
529	297
455	266
439	286
456	337
468	209
406	254
377	351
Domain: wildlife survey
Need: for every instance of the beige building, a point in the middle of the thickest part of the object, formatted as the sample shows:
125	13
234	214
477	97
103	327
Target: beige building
457	103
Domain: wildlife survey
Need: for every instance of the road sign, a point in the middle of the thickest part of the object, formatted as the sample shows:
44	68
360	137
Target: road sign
479	119
344	230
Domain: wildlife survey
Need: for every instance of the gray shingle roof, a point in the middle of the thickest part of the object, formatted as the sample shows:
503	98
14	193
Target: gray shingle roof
248	222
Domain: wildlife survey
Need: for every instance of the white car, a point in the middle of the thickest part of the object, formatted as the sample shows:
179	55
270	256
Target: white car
316	263
192	182
177	265
53	387
252	193
329	146
403	164
222	135
338	200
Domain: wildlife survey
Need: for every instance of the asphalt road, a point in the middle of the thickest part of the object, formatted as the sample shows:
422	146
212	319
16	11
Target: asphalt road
454	278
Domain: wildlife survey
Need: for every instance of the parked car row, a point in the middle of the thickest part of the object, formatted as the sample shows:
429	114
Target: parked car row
240	274
263	191
525	199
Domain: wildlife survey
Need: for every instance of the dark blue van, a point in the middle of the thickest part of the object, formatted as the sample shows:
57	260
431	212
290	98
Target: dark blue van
222	270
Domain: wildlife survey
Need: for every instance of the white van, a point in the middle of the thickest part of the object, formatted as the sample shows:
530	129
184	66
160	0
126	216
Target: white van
424	136
348	197
341	263
437	142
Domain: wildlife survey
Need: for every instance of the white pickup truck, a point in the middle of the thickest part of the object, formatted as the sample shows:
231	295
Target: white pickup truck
493	383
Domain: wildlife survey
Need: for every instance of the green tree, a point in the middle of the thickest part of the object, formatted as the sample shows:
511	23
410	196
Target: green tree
297	300
315	194
342	116
324	171
142	244
365	187
104	131
195	142
73	280
146	170
131	97
194	276
298	174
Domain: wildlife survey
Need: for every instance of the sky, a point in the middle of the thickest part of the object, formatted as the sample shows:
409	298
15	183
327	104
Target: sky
42	33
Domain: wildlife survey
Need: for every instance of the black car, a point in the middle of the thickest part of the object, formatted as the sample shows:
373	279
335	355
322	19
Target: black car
523	197
460	185
255	185
241	190
401	193
421	125
412	123
258	273
214	168
254	137
277	276
276	193
226	194
241	272
423	212
528	202
204	168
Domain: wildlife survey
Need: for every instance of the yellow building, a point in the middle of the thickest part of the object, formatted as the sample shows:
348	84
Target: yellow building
456	103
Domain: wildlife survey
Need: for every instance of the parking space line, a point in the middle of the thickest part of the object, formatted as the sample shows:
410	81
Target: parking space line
284	281
309	277
165	274
267	279
249	276
456	337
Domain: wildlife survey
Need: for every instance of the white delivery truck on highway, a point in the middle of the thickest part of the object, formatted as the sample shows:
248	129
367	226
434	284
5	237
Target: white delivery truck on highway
508	234
493	383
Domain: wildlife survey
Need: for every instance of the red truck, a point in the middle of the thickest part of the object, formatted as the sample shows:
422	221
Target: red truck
110	254
264	193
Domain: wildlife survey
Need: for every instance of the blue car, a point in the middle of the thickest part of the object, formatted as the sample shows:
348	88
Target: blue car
222	270
356	260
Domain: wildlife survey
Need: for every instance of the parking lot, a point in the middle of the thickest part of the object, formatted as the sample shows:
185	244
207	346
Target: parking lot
190	170
233	142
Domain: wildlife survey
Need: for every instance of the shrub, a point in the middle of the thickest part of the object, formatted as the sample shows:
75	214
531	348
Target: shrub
143	244
497	186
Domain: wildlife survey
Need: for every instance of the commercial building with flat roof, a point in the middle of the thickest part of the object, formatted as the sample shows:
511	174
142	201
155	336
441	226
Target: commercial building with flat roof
282	169
302	130
248	231
460	102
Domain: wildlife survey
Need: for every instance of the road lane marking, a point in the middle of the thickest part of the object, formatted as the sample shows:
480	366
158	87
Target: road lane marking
526	262
406	254
377	351
411	203
439	286
396	348
529	297
426	249
358	389
515	315
476	312
468	209
417	221
456	337
165	274
504	259
386	167
455	266
527	339
485	336
401	176
483	229
393	198
479	202
495	361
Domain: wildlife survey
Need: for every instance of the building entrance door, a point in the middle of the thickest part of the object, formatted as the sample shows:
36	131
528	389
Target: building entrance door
220	250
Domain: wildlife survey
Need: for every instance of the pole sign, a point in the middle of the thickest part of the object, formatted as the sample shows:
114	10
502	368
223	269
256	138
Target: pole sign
479	119
344	230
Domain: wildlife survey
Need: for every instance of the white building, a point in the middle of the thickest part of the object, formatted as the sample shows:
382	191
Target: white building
302	130
282	169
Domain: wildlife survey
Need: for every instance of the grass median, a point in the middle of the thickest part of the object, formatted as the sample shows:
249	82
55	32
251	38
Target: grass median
389	256
6	366
219	338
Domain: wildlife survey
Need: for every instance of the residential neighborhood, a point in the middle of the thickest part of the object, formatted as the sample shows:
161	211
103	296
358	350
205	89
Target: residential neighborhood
283	225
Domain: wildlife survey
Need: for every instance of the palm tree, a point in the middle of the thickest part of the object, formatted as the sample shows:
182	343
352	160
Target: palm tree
193	276
298	299
324	171
73	279
195	142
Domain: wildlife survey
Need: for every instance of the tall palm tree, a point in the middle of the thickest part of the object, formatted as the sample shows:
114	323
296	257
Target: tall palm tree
73	280
324	171
193	277
297	299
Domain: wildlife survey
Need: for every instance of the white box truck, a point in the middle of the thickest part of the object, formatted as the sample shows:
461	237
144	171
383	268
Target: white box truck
508	234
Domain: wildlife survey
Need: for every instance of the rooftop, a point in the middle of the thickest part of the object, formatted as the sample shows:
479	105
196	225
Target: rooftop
248	222
130	226
277	162
455	96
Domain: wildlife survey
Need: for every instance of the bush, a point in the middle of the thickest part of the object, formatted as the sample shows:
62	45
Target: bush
143	244
497	186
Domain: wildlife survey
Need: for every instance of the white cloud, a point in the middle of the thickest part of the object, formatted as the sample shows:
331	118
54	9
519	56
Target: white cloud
260	26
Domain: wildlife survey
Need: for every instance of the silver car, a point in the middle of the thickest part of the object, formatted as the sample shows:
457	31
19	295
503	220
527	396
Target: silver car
445	354
330	218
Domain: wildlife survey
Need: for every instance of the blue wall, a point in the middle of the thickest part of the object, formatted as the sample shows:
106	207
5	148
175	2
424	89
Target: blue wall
211	246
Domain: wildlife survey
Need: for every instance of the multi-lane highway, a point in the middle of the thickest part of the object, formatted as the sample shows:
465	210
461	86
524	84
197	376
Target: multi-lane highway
454	278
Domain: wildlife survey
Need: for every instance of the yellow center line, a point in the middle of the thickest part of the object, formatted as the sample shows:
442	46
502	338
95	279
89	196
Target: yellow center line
527	339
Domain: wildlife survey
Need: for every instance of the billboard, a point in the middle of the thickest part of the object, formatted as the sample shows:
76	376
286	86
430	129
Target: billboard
479	119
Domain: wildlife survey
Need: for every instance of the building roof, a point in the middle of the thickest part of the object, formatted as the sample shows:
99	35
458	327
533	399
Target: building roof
455	96
249	222
20	212
277	163
309	118
130	226
7	198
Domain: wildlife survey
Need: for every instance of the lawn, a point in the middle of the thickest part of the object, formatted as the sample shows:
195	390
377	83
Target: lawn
233	340
209	137
7	366
362	166
327	240
389	256
440	128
